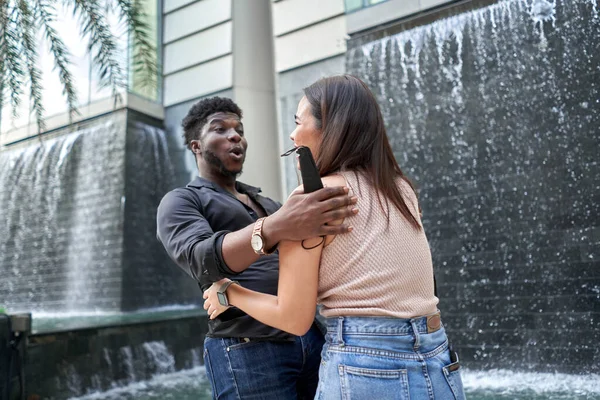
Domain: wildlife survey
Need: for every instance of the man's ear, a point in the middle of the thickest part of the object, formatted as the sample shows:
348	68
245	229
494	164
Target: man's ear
196	146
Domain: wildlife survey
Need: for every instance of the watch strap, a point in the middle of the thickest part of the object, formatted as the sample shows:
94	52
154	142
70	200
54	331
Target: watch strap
257	231
226	285
222	292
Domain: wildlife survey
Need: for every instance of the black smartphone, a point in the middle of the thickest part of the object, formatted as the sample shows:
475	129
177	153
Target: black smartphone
308	169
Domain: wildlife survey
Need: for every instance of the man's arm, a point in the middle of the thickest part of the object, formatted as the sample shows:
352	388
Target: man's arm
302	216
208	256
189	239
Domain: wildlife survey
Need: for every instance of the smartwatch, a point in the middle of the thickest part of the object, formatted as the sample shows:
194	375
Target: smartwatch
222	295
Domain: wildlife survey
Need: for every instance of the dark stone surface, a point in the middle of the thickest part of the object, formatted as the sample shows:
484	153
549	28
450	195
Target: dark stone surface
67	364
77	220
150	278
494	113
12	358
5	355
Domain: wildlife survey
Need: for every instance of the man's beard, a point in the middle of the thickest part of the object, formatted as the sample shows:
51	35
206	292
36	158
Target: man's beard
215	161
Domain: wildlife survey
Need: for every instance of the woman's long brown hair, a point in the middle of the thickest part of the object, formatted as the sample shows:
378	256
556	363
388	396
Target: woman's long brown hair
354	137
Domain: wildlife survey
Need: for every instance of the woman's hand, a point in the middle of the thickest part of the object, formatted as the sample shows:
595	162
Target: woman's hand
211	302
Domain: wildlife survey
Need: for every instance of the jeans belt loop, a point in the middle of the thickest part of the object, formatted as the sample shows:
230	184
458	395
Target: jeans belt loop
340	330
416	333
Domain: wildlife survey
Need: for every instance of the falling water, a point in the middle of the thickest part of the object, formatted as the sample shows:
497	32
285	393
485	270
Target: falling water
494	113
159	357
56	211
69	230
131	368
542	11
126	363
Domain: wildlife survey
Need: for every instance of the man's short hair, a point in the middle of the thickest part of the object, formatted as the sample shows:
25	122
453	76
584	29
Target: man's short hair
196	118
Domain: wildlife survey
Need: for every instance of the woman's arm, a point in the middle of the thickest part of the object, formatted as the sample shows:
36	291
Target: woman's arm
293	309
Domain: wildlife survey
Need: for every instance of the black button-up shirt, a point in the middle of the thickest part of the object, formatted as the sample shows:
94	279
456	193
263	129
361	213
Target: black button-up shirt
191	224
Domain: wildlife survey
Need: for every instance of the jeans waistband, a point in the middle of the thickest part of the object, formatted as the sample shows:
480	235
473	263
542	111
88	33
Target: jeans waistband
385	325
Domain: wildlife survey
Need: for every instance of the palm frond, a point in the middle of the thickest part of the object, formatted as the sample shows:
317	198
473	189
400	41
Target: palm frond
28	33
20	24
3	19
102	44
46	16
144	46
13	70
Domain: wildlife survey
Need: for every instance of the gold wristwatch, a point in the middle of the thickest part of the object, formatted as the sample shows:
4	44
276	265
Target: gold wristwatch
258	241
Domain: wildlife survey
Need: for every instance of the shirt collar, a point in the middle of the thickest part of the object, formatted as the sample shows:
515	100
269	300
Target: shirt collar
200	182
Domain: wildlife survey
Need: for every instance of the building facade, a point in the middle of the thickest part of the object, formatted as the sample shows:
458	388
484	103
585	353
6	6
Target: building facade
260	53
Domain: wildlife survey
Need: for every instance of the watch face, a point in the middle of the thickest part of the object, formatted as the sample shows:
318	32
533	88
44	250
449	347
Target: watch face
256	242
222	299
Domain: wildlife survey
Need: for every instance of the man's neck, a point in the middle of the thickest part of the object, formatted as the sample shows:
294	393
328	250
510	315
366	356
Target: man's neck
226	182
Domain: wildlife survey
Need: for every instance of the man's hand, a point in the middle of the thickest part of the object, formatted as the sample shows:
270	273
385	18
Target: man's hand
211	302
306	216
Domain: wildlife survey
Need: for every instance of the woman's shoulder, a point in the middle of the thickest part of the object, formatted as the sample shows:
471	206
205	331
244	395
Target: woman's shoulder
409	193
334	180
407	188
328	181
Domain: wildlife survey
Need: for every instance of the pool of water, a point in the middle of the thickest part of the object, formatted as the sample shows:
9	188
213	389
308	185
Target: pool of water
491	385
189	384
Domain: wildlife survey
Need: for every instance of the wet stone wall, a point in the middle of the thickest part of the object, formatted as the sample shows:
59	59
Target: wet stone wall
150	278
64	365
494	111
61	220
78	221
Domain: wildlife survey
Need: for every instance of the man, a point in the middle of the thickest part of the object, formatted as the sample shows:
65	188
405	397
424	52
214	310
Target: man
218	227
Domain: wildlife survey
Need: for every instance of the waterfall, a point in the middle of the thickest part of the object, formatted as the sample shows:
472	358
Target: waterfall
78	210
494	113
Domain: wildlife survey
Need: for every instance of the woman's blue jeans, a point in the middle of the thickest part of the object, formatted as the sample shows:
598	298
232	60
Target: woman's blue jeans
386	358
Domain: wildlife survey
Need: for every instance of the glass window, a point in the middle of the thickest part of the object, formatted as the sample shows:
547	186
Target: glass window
136	77
353	5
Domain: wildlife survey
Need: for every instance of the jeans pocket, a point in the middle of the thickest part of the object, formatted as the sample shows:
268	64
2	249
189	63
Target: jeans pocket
238	344
452	374
365	383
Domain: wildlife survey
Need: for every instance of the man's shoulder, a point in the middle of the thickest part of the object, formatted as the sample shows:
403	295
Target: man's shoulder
180	192
180	197
192	190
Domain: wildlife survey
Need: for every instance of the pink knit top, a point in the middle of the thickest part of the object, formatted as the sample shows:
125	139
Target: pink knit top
377	269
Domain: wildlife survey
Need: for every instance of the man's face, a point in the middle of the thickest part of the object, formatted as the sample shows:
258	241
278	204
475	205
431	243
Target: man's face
222	143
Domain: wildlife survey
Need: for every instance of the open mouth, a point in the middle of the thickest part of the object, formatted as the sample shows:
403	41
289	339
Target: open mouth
237	151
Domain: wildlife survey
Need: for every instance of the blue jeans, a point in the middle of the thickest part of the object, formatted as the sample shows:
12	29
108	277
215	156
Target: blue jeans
262	369
386	358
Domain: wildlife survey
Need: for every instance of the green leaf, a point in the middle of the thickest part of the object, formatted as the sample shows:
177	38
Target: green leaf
20	22
28	33
46	16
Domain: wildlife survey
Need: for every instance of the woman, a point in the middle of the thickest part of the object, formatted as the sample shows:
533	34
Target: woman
384	336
